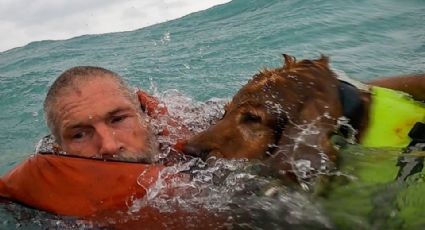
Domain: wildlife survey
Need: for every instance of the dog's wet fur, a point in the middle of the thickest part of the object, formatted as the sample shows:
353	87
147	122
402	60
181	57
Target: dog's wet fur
281	116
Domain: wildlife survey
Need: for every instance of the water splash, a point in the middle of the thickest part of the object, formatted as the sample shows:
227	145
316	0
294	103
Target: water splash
196	115
232	188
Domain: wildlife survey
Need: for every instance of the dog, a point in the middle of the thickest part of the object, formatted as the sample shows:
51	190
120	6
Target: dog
287	117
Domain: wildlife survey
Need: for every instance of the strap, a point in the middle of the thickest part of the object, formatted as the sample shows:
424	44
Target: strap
352	105
417	134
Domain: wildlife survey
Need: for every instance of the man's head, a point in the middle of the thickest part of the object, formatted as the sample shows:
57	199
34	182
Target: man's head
92	113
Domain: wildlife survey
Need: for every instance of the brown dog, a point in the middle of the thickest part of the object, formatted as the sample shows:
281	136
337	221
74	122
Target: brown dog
287	115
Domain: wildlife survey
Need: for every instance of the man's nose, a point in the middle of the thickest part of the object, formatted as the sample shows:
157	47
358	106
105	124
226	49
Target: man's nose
109	144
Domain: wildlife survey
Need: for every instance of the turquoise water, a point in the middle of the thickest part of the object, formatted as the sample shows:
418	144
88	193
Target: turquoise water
210	54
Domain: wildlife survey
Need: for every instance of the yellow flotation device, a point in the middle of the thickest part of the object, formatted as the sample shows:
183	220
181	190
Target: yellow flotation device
392	115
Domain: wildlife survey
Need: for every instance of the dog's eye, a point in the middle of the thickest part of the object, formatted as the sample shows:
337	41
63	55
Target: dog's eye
250	118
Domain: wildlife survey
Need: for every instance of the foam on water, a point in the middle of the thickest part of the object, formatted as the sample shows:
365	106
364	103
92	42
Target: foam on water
231	188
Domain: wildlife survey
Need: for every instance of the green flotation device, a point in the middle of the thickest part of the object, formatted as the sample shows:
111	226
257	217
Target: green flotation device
365	194
371	189
392	115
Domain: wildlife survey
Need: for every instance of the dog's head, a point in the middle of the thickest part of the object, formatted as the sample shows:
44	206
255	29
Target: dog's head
272	110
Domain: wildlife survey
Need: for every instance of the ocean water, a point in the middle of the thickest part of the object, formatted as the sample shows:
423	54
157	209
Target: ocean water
211	54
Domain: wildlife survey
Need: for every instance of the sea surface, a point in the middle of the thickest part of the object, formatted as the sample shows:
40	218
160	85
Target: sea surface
209	55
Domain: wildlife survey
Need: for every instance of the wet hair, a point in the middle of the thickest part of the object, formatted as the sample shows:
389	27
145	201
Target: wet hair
70	81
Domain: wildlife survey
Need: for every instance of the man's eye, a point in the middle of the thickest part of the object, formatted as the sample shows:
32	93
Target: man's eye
117	119
79	135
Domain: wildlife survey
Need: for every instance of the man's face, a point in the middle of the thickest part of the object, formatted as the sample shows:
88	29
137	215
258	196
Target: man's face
97	120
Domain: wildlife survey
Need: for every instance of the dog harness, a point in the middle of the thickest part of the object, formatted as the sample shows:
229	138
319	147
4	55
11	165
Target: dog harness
395	120
392	115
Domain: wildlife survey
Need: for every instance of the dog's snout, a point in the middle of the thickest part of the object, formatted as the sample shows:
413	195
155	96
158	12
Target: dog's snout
196	150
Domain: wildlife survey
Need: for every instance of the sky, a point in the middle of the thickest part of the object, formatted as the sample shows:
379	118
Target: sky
24	21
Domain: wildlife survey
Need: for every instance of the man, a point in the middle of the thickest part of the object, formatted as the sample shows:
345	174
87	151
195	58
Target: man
101	132
92	113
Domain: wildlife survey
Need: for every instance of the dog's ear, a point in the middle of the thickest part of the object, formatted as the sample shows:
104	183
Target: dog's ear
307	136
324	60
288	61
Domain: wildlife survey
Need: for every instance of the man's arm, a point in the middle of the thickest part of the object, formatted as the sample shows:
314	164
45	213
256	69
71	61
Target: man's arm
411	84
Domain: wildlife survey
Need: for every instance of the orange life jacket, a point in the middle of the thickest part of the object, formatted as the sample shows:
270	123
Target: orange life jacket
76	186
152	108
82	187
